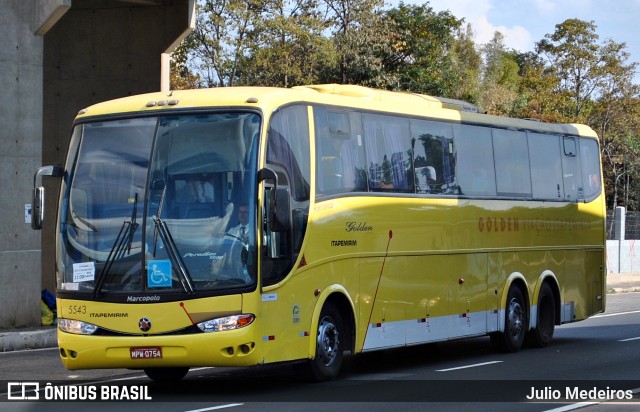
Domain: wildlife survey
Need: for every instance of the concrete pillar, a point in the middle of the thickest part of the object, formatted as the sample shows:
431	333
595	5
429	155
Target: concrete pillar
20	137
56	57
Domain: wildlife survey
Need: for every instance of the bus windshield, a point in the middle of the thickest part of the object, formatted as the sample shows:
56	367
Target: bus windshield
160	204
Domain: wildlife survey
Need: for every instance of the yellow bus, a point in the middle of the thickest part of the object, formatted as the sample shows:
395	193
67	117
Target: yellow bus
246	226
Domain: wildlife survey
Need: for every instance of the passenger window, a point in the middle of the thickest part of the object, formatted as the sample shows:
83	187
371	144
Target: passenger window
590	161
571	172
433	161
388	149
546	166
340	161
474	160
513	177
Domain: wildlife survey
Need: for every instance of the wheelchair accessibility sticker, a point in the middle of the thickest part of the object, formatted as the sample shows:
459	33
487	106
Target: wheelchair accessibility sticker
159	274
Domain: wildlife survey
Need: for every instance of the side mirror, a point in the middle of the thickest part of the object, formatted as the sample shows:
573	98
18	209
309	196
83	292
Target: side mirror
281	219
37	208
278	202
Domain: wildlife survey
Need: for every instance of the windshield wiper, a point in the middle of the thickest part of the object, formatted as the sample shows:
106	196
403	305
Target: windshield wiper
170	245
174	254
125	236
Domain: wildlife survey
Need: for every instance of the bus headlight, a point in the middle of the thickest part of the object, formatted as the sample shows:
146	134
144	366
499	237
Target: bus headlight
77	327
226	323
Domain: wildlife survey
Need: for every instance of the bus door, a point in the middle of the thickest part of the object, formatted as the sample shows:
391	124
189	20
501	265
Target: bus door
285	212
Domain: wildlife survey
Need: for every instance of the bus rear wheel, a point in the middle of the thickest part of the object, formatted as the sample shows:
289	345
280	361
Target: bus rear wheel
541	335
172	374
515	323
330	345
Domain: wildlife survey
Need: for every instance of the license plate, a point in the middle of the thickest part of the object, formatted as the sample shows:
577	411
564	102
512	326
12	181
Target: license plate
146	352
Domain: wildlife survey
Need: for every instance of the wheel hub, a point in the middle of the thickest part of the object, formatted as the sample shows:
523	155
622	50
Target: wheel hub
328	342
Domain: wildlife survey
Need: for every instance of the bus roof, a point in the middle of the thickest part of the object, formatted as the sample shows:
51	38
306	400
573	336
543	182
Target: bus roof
269	98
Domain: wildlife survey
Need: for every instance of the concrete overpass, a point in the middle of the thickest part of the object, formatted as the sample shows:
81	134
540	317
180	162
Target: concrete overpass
56	57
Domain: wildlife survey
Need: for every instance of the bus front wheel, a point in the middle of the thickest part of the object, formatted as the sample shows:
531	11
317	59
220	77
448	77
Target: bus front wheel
330	341
515	323
172	374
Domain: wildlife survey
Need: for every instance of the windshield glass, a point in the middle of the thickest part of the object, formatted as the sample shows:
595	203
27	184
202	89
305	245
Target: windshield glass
160	205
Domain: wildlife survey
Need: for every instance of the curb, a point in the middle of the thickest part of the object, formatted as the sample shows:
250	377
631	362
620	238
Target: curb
34	339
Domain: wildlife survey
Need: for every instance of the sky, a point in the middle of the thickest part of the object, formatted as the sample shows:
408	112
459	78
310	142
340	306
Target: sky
525	22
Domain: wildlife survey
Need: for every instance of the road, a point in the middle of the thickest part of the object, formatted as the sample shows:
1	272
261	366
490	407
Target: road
599	356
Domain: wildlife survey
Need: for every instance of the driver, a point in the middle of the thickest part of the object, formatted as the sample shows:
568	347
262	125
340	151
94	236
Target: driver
241	231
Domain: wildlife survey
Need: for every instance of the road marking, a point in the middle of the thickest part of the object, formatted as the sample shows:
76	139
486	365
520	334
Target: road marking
469	366
213	408
202	368
606	315
585	404
572	407
629	339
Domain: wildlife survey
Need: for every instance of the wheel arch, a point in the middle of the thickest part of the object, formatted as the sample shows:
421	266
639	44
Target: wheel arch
549	278
518	280
338	296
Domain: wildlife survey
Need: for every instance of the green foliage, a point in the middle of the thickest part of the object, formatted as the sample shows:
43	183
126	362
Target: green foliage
421	54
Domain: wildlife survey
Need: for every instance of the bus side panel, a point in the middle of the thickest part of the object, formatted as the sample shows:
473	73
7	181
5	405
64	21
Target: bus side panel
582	285
287	311
571	277
423	299
596	283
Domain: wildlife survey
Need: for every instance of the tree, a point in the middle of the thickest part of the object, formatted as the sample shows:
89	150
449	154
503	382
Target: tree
289	47
537	89
578	60
466	66
421	54
222	37
180	76
500	79
360	36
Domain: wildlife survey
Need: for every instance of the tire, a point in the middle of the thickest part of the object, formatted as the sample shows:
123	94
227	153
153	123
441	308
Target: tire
542	334
515	323
330	345
172	374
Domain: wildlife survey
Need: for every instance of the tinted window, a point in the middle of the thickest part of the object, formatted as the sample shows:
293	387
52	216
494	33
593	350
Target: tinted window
388	148
590	161
546	166
433	161
474	160
512	163
340	151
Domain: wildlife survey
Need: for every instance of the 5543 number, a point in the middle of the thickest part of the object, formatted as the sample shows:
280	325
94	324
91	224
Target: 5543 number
77	309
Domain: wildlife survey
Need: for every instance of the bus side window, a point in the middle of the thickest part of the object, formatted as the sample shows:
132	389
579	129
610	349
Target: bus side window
288	155
590	162
433	157
546	166
388	145
571	171
474	160
340	152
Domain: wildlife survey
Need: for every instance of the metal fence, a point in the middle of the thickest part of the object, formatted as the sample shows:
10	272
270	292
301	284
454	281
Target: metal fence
632	225
623	255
